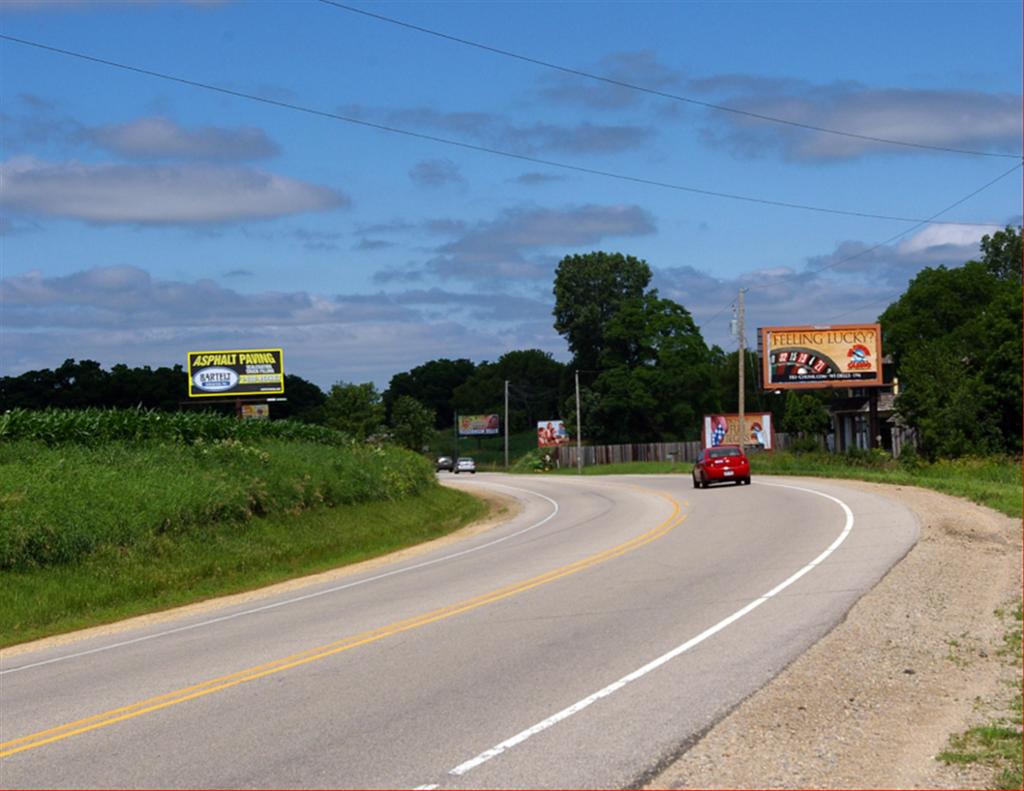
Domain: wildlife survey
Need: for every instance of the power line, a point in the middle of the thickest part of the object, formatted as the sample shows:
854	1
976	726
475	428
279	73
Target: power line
891	239
871	249
663	94
472	147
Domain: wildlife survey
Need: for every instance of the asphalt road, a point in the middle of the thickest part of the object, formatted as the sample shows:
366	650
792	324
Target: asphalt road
584	643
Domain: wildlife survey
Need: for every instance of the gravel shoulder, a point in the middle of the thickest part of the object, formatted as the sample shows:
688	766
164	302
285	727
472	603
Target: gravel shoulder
915	660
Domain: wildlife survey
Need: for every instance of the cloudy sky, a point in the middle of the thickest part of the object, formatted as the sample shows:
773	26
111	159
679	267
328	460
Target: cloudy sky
369	196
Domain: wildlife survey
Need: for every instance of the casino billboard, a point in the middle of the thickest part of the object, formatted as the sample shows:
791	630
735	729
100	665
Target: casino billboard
841	355
238	372
725	430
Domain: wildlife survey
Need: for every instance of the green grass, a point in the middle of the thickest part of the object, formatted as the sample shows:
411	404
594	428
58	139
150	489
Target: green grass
91	534
999	743
222	558
59	504
993	482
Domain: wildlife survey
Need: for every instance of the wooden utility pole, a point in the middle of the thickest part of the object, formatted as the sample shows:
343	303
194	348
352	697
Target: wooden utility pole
579	433
742	370
506	425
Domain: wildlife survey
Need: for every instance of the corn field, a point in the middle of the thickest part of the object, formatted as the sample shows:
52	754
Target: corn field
90	426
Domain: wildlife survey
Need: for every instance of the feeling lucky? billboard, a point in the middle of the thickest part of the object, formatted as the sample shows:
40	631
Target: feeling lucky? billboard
236	372
842	355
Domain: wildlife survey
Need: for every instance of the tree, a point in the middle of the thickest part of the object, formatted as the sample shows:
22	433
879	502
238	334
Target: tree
305	401
654	373
355	409
432	384
806	416
955	335
412	424
589	290
535	386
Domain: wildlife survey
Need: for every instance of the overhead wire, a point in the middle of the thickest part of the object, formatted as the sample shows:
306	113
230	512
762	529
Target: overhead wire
471	146
664	94
871	249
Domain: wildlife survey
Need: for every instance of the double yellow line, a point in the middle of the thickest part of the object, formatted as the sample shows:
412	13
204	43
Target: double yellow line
107	718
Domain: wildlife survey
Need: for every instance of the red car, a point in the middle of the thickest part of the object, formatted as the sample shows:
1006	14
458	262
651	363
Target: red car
717	465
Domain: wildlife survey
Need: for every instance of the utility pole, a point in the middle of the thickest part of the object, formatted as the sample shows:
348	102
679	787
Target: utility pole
742	369
579	433
506	425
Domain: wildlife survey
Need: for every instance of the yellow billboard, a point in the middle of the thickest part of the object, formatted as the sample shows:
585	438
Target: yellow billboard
841	355
236	372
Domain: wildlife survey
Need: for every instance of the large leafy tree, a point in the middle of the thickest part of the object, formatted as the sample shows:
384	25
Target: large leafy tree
589	291
648	371
412	424
356	409
657	341
955	335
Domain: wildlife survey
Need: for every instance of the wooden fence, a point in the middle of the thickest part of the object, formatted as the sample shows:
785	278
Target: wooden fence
641	451
565	456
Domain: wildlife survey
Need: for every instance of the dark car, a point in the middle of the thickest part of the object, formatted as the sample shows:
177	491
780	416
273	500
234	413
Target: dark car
444	463
721	464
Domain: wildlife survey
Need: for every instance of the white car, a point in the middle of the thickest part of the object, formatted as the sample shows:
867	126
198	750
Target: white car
465	464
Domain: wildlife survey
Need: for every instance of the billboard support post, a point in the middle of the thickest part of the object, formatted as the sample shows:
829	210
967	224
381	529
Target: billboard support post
873	417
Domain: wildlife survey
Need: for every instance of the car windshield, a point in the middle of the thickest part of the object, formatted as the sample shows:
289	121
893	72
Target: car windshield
465	460
721	453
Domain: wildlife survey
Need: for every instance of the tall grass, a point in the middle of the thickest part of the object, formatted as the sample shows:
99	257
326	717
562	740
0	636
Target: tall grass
59	504
92	426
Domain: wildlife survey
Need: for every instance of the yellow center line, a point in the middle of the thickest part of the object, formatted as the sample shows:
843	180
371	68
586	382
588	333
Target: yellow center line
204	688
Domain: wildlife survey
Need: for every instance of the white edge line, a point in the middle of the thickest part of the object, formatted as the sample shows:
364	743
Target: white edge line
522	736
296	599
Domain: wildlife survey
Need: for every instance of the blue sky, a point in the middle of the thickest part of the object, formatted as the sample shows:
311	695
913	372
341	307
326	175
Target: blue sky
142	217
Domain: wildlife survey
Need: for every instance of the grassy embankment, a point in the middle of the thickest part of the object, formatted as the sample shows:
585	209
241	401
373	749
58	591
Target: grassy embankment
104	515
993	482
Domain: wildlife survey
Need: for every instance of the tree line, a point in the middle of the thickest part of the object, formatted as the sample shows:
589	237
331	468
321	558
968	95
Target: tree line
645	371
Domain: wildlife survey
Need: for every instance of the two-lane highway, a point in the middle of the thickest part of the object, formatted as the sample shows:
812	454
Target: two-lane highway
580	644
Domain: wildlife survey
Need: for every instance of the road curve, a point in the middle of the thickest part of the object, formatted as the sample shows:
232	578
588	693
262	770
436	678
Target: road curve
581	644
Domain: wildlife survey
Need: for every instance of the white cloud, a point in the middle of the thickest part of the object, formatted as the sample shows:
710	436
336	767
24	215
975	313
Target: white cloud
160	138
157	195
971	120
943	235
507	247
122	314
